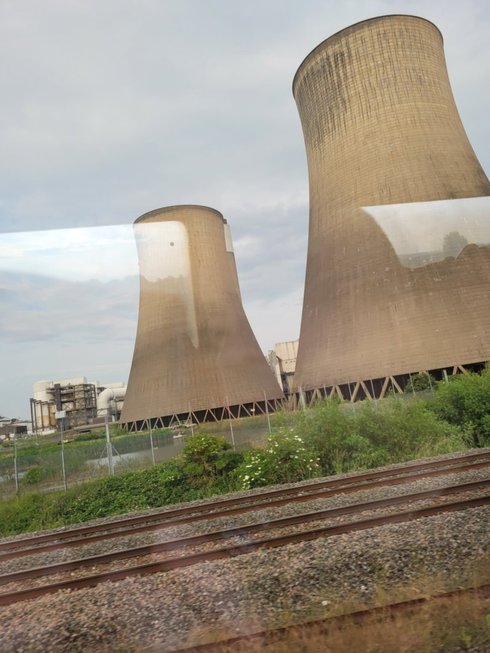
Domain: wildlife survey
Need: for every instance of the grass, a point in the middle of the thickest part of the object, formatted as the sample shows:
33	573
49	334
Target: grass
441	625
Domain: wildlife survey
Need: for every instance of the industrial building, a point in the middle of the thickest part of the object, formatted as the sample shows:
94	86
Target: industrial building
282	361
83	402
195	357
398	266
11	427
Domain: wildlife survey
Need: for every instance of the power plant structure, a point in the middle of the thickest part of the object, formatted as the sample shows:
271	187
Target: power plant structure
398	266
195	358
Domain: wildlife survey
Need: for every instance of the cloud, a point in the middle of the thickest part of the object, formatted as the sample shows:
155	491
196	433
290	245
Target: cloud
97	253
113	109
40	309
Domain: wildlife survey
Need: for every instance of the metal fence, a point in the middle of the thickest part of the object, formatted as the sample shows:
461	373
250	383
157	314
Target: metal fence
60	461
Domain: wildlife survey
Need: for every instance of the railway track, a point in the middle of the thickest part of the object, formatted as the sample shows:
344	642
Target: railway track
78	536
240	531
319	626
233	550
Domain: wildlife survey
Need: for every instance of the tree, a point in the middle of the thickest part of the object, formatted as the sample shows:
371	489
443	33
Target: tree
453	244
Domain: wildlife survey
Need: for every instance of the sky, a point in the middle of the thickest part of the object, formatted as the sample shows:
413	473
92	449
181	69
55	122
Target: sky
112	108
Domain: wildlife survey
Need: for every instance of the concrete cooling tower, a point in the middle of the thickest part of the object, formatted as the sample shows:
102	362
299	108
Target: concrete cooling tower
398	268
195	355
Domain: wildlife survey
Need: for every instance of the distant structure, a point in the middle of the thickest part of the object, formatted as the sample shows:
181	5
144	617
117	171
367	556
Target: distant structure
82	401
282	361
195	357
398	268
11	427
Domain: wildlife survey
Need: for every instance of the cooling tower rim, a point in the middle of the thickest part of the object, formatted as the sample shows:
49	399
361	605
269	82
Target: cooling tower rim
355	27
168	209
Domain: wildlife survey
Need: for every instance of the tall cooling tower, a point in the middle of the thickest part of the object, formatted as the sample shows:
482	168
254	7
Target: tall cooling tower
398	268
195	354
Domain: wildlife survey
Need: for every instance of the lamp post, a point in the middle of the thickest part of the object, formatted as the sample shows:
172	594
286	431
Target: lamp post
60	417
110	462
15	462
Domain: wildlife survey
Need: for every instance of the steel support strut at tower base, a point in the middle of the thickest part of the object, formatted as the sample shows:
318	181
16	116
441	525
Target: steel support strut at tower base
398	268
195	355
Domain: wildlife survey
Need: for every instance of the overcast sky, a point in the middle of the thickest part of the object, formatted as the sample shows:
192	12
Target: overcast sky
111	108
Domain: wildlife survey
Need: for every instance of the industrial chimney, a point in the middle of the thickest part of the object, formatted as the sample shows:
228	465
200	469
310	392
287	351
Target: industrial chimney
398	268
195	355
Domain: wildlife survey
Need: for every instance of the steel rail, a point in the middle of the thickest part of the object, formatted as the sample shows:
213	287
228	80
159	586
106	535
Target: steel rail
221	535
188	515
237	550
356	477
273	635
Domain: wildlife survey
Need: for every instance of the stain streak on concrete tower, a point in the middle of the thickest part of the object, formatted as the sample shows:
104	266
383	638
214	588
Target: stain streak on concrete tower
195	354
398	268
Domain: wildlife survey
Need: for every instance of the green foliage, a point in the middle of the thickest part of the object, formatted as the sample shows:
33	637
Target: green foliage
328	438
28	512
87	437
422	381
161	485
284	460
206	458
35	475
330	431
465	400
372	434
396	430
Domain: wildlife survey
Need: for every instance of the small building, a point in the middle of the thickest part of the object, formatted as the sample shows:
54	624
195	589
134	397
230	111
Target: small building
13	426
282	361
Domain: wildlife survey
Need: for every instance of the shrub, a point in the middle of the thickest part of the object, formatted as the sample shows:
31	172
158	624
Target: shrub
396	431
371	434
206	458
465	401
421	381
35	475
330	431
25	513
160	485
285	460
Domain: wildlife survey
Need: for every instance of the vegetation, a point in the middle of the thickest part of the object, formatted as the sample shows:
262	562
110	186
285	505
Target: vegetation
84	447
285	459
450	625
465	401
329	438
422	381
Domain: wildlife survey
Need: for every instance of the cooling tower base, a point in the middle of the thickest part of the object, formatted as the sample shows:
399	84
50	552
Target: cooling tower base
219	414
378	388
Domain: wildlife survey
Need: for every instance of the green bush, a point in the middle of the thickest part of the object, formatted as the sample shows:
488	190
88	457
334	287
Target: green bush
465	401
158	486
371	434
330	431
397	430
35	475
285	460
28	512
421	381
206	458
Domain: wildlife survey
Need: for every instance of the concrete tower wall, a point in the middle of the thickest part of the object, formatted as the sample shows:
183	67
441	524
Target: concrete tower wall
194	347
390	174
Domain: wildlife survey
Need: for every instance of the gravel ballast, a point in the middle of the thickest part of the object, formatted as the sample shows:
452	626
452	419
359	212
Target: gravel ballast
252	591
245	593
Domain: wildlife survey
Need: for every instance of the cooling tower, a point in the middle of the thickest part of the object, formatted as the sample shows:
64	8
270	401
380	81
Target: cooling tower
398	268
195	355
